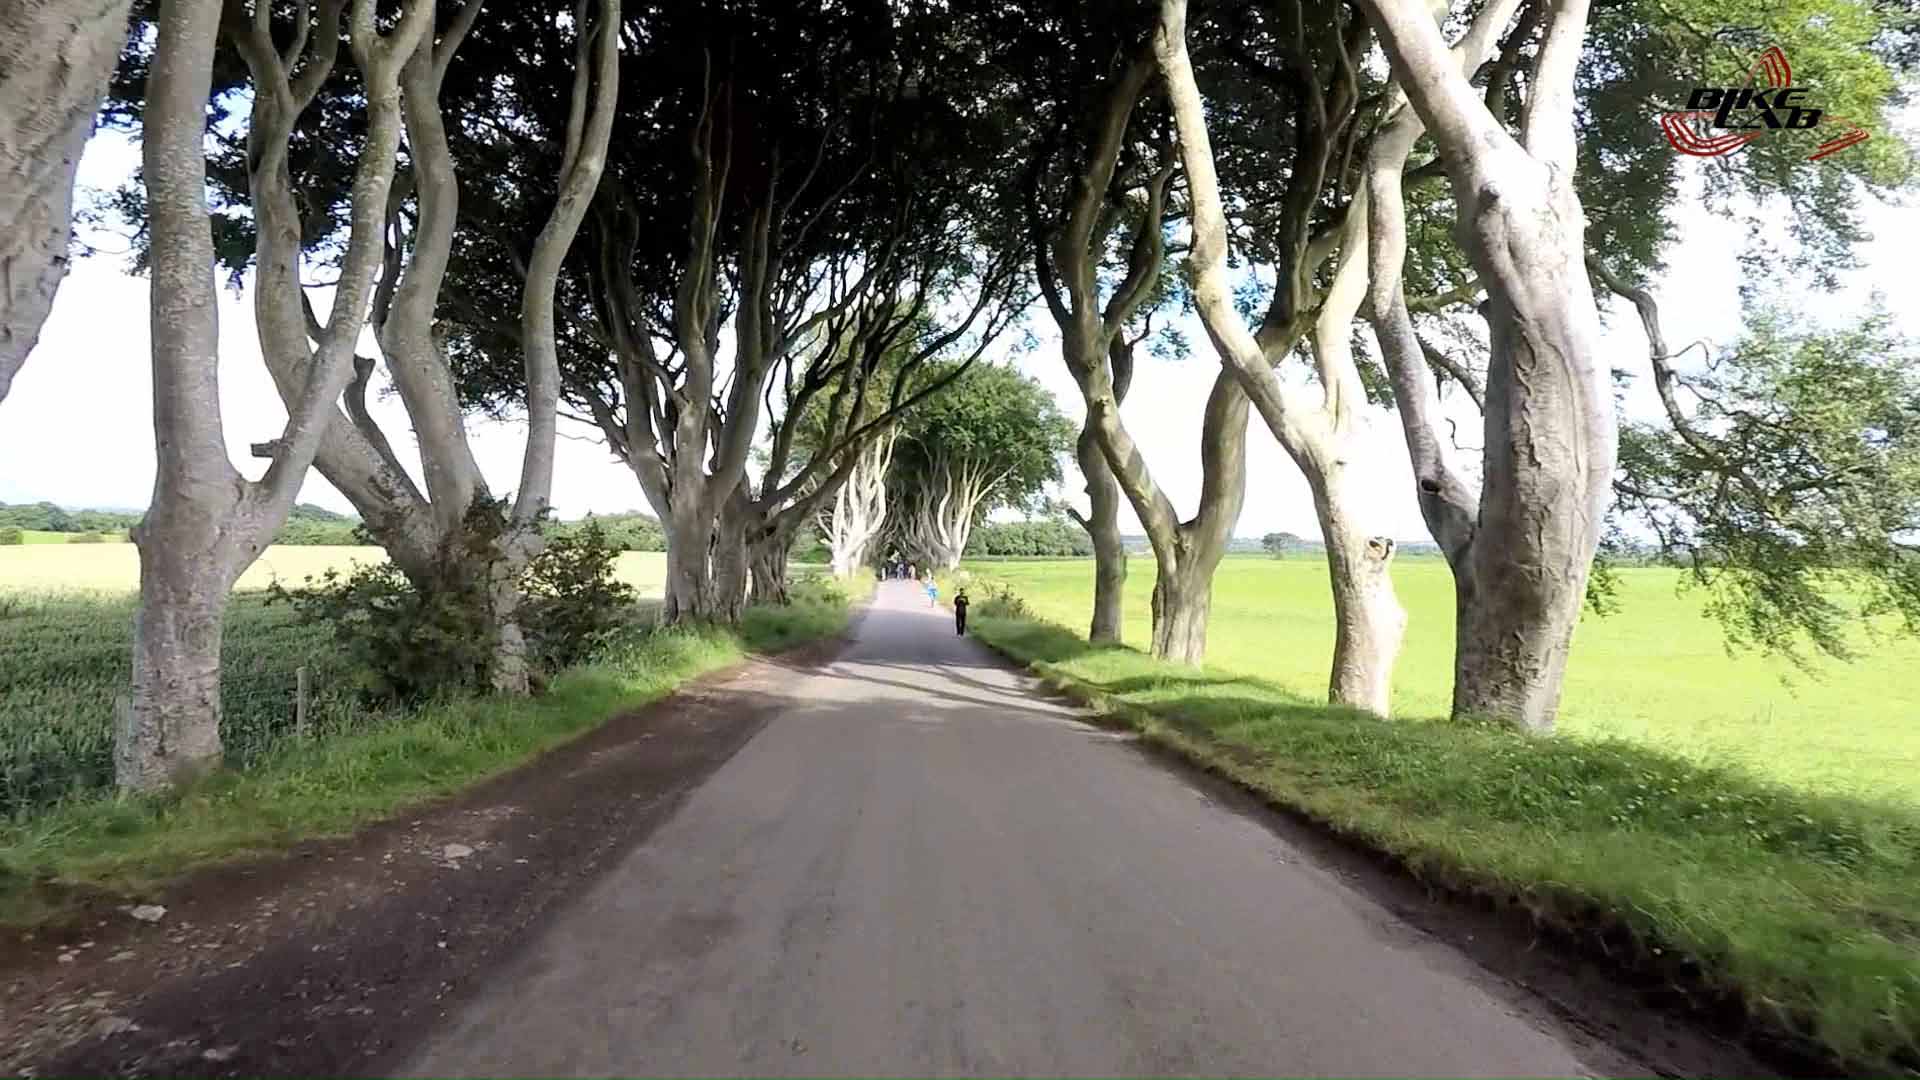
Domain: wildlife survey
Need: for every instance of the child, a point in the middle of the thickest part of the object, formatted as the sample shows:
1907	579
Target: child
960	611
933	592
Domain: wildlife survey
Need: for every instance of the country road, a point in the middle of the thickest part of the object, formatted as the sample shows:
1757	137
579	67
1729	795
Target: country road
923	866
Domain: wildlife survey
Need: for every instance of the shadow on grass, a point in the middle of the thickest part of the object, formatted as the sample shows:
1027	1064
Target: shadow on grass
1807	907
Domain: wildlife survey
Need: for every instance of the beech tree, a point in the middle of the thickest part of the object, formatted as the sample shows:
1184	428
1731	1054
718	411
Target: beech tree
819	442
426	531
993	439
55	59
1097	197
1521	549
1320	435
207	523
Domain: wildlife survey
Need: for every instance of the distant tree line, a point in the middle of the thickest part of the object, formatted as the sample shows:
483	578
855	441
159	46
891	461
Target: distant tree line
1042	536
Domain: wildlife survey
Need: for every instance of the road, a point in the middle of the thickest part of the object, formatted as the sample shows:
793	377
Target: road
921	866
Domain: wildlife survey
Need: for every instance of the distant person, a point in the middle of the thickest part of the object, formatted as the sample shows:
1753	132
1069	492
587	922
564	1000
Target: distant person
960	611
933	591
912	575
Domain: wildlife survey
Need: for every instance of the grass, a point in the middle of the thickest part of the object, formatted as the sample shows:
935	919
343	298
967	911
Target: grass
64	656
1657	673
1803	907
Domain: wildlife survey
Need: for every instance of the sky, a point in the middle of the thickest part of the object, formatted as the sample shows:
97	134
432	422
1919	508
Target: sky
77	428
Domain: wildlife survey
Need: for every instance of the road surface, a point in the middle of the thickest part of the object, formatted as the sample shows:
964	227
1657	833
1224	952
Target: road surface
923	867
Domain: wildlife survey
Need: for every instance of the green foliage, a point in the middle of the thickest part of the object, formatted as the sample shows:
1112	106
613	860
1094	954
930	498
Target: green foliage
993	421
631	531
1792	494
571	602
86	538
410	640
1805	907
65	657
1279	544
1043	536
46	517
309	525
11	535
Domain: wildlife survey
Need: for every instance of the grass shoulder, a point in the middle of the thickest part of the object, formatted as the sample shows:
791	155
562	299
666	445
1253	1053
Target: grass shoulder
1804	909
93	842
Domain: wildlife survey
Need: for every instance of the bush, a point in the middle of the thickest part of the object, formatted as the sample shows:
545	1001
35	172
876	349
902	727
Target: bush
86	538
11	535
572	603
410	640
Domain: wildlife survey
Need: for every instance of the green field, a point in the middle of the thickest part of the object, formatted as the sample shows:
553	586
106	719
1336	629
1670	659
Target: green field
66	617
1656	673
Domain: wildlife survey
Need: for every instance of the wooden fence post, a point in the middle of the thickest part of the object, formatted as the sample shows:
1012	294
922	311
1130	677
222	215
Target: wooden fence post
300	701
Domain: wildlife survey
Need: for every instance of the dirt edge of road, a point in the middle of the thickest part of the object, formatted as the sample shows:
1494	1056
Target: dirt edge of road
331	958
1595	978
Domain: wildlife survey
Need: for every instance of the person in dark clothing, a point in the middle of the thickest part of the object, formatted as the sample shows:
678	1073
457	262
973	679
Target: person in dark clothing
960	612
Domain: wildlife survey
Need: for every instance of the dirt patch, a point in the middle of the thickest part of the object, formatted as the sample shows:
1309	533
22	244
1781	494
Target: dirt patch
333	957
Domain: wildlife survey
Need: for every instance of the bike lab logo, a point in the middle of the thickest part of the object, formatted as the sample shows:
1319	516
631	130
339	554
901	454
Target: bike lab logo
1741	114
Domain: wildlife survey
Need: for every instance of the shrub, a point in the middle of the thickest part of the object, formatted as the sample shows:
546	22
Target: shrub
572	603
86	538
11	535
411	639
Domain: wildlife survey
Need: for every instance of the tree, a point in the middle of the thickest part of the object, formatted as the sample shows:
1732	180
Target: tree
423	531
207	523
1522	548
1786	478
1097	202
1319	435
993	439
1279	543
55	59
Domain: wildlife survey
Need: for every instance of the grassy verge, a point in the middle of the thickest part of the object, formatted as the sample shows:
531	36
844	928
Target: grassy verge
1804	909
299	789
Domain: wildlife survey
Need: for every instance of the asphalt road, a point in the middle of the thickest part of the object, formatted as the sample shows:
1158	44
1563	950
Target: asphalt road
923	867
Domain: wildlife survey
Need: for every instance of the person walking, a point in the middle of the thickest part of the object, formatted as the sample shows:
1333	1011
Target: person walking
960	611
933	591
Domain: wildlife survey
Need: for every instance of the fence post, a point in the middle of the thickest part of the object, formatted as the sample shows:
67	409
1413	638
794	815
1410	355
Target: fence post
300	701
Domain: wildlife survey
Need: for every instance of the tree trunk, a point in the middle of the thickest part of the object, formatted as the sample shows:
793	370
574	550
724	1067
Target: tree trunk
170	733
1109	552
1369	622
768	564
729	554
1182	602
1544	503
689	585
55	58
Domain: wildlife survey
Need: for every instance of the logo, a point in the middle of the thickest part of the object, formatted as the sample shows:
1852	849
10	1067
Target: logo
1721	119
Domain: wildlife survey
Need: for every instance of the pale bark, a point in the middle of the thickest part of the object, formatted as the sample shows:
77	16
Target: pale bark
859	513
938	518
1068	260
1521	552
207	523
55	59
1320	436
425	532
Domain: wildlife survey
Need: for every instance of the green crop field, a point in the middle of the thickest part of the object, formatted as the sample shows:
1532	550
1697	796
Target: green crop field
1655	673
66	618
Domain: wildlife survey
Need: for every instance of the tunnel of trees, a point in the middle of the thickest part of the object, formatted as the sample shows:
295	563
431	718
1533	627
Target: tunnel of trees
781	258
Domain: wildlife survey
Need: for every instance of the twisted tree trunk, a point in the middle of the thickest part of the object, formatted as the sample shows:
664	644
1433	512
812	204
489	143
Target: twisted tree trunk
207	523
1319	436
1102	523
55	59
1522	550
